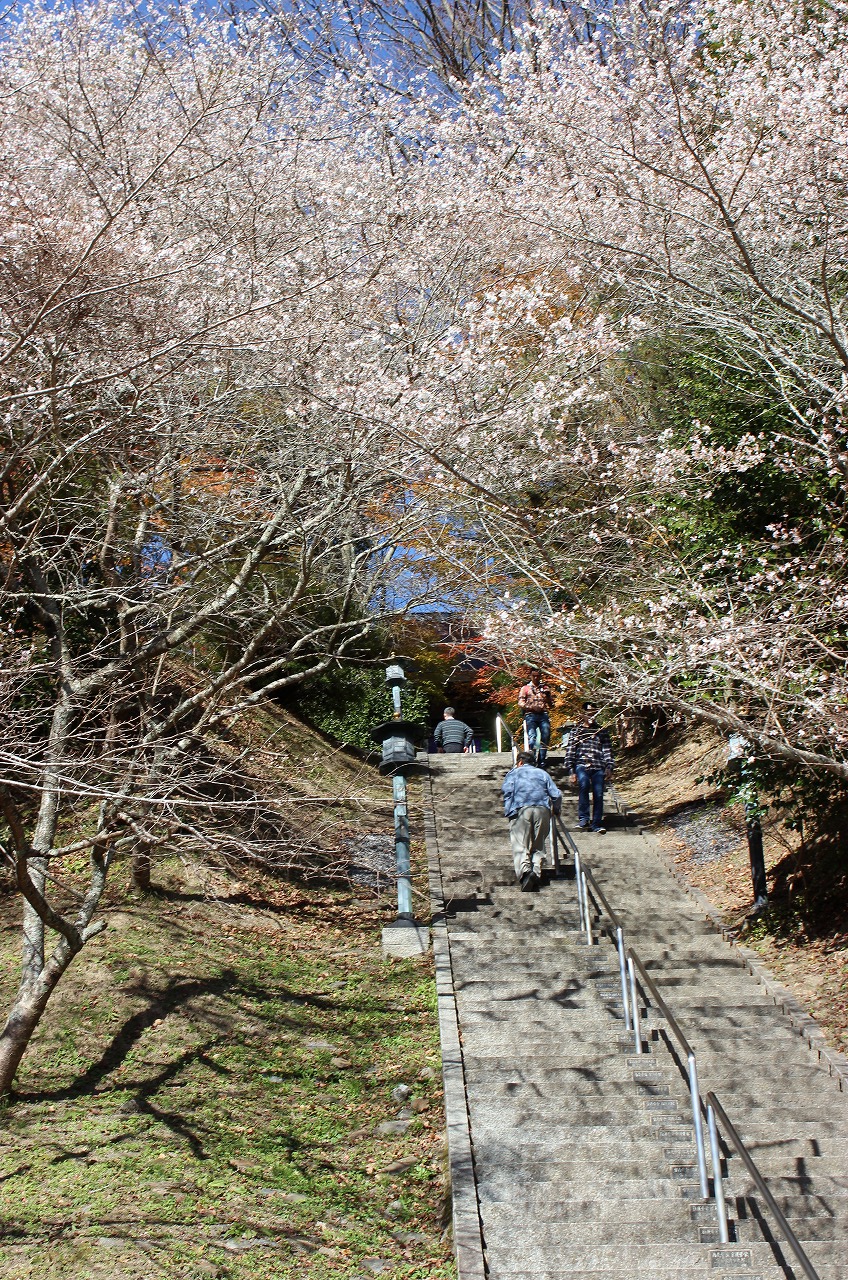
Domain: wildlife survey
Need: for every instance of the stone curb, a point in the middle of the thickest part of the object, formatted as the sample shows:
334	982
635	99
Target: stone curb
467	1227
800	1018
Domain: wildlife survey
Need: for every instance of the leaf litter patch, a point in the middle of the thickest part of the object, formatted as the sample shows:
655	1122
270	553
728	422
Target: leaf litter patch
372	861
703	830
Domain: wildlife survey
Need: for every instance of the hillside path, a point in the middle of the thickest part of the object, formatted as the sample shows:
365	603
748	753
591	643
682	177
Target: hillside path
572	1156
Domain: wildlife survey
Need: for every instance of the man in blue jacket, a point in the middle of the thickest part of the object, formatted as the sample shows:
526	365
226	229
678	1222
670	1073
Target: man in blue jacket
529	794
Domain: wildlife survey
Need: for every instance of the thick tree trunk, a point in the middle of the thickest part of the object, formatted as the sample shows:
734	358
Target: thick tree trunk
21	1023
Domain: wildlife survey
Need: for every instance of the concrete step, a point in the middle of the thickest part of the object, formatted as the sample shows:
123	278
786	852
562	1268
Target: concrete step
659	1272
563	1133
666	1228
567	1180
578	1092
659	1224
637	1259
599	1147
807	1229
533	1200
505	1040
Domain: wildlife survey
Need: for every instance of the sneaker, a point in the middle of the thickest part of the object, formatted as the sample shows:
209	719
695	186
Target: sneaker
526	877
582	826
601	831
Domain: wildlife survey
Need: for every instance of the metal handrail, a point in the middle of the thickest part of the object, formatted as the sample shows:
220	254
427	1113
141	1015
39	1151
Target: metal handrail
647	981
627	962
501	724
759	1181
554	841
566	835
601	897
713	1107
692	1067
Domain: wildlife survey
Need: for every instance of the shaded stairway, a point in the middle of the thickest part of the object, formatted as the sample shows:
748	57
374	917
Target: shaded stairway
582	1152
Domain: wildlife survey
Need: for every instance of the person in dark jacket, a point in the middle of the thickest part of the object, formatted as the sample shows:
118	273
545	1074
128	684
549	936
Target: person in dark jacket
452	736
588	758
529	795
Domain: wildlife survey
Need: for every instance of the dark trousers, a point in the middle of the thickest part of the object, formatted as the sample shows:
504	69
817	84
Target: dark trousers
590	780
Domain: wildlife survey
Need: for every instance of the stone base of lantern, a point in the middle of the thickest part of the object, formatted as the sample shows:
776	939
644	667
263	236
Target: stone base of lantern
405	939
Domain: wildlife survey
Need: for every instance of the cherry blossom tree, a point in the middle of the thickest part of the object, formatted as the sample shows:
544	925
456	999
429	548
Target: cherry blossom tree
203	501
684	169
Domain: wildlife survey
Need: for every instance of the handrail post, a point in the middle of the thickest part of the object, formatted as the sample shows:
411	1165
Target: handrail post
587	918
579	878
718	1183
622	969
699	1127
634	1003
554	843
499	734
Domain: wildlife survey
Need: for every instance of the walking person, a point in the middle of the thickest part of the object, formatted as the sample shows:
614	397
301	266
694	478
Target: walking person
528	795
452	736
534	699
588	758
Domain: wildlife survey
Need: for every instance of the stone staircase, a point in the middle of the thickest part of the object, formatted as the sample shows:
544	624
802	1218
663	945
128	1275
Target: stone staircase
582	1154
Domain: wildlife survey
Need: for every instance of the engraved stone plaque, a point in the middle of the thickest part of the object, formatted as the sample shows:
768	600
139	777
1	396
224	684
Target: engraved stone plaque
702	1213
730	1258
659	1104
685	1172
709	1235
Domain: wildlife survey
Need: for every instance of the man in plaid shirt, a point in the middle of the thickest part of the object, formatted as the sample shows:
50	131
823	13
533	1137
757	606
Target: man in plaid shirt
588	757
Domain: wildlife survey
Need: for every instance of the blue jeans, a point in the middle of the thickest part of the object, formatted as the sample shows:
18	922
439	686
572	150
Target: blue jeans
590	780
538	721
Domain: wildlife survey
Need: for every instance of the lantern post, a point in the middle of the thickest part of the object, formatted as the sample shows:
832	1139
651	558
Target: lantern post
397	737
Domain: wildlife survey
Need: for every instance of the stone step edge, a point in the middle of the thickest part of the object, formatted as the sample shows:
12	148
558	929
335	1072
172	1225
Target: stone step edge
466	1225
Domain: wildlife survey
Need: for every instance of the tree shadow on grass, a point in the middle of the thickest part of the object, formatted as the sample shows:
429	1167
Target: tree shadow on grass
160	1003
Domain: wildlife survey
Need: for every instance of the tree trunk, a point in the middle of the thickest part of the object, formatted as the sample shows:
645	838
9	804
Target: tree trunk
141	870
23	1019
756	858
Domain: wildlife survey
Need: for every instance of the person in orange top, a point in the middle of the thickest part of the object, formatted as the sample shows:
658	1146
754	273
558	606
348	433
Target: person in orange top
535	701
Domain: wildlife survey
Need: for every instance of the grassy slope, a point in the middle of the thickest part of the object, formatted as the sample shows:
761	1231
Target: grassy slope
813	963
204	1095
